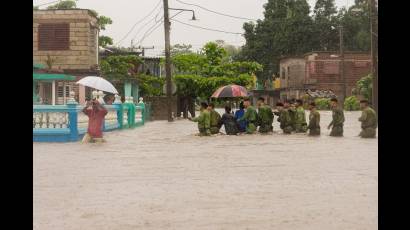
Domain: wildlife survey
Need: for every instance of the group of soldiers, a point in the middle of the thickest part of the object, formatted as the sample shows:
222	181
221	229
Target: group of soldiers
291	116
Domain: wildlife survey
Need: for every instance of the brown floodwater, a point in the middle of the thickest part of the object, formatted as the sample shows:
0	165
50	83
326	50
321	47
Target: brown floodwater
162	176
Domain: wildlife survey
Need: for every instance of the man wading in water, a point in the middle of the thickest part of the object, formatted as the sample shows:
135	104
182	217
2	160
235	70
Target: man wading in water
96	113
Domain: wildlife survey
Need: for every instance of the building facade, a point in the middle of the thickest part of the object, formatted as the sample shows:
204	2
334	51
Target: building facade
291	77
322	71
66	41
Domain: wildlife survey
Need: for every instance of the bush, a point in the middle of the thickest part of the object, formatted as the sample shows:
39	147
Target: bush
352	104
322	103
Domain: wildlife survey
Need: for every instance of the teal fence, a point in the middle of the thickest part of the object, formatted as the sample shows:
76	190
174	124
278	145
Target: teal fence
67	123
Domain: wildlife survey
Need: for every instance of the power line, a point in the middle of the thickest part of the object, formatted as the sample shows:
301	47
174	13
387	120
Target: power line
132	28
146	34
142	27
215	12
204	28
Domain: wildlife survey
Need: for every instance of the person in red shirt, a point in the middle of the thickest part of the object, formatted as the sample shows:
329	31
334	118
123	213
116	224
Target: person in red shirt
96	113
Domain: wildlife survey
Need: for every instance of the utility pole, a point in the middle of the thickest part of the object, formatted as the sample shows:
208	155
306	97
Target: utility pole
374	53
167	25
342	64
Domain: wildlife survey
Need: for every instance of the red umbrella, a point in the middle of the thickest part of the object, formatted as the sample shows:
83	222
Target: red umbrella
230	91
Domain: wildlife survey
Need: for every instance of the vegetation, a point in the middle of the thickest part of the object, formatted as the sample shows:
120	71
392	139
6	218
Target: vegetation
121	67
364	87
352	103
322	103
289	29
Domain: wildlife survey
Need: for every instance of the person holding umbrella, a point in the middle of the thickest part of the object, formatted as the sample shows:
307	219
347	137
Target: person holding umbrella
96	113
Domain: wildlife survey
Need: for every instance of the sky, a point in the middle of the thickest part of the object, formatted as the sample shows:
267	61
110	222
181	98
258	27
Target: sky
126	13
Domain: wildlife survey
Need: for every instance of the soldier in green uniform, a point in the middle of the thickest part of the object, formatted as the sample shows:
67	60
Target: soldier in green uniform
314	120
204	120
251	117
291	108
338	118
300	118
215	118
265	116
284	118
368	120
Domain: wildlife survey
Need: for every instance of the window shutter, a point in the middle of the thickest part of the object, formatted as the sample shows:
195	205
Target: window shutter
54	36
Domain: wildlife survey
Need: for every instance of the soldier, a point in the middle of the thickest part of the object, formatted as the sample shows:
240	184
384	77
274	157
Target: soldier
300	118
265	116
338	118
215	118
204	120
368	120
291	108
314	120
284	118
251	117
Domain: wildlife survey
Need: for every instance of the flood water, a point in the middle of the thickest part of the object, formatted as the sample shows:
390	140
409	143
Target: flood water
162	176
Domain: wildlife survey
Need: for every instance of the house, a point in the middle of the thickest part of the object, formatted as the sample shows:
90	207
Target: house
65	42
323	71
320	71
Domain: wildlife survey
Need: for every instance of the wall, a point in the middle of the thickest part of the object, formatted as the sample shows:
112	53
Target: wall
159	107
292	72
323	71
83	38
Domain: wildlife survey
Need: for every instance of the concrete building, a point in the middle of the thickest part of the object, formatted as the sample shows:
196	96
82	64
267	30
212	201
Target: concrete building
292	77
68	41
323	71
320	71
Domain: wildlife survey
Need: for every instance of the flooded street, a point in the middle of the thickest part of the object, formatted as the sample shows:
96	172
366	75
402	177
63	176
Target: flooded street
162	176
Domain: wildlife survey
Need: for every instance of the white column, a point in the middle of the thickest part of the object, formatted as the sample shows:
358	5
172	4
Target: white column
64	92
53	93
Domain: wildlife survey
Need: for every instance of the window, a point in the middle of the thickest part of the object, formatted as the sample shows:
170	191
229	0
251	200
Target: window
288	72
54	36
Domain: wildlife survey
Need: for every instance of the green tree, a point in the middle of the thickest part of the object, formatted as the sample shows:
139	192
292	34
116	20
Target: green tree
181	49
325	25
121	67
35	7
364	86
287	29
65	4
104	41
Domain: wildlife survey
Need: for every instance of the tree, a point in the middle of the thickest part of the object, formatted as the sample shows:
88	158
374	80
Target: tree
66	4
287	29
104	41
35	7
121	67
325	25
356	26
181	49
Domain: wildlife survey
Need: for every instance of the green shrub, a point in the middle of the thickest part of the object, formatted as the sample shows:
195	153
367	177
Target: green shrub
322	103
352	104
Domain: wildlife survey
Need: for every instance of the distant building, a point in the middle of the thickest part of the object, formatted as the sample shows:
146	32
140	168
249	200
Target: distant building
320	71
68	39
323	71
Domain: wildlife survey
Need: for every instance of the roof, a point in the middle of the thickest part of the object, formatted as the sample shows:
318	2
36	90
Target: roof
76	9
52	76
336	52
38	66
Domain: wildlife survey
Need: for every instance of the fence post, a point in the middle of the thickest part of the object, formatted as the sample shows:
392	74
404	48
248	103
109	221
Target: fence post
118	105
143	112
73	117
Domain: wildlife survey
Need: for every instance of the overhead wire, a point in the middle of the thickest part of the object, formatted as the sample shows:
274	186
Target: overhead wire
215	12
204	28
132	28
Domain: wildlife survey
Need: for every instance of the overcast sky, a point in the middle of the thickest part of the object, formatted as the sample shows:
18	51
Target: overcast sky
125	13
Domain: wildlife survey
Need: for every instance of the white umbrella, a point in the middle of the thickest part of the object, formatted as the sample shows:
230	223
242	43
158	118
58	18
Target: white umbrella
98	83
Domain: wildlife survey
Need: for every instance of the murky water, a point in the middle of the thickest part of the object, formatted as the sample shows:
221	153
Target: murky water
162	176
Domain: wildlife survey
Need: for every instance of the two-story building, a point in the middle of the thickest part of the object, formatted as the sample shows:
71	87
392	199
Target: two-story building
68	41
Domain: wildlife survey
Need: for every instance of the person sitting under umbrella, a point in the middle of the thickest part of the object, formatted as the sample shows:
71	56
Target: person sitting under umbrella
96	113
229	121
